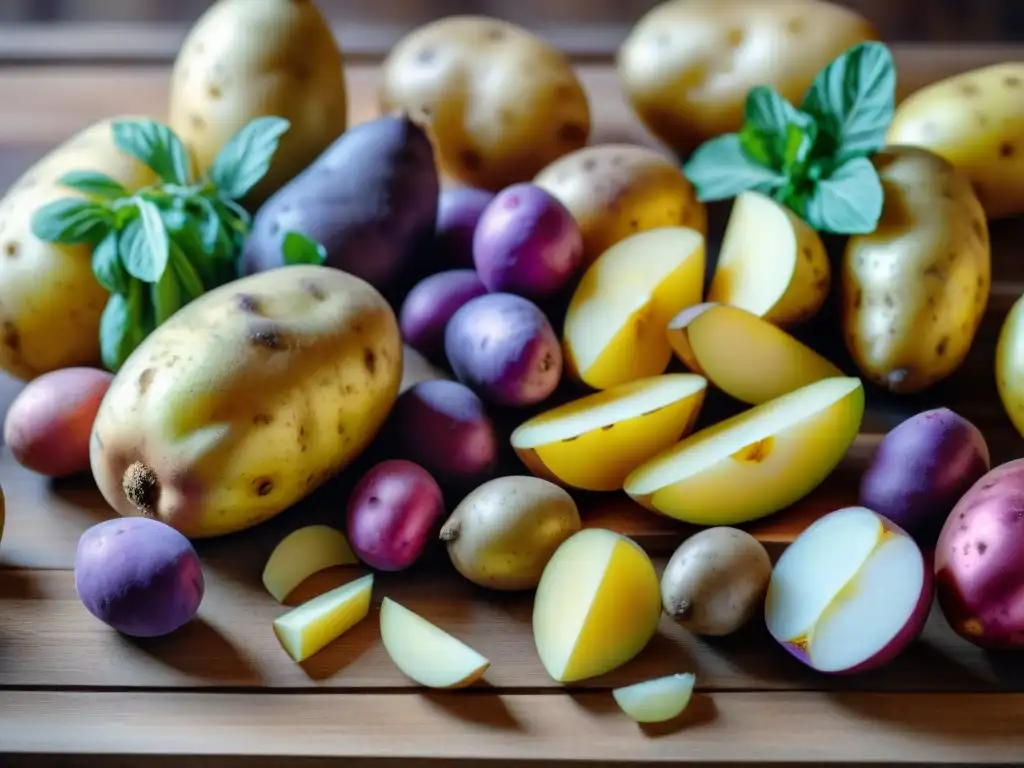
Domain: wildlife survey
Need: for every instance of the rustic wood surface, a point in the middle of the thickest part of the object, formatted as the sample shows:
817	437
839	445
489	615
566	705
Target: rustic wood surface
222	688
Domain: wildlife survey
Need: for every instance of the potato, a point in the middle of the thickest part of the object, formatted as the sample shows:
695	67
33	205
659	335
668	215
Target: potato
657	700
138	576
48	424
245	59
921	469
2	513
504	349
503	534
687	65
302	553
247	399
311	626
616	190
50	301
458	211
974	120
915	290
527	243
370	200
597	605
394	512
500	103
1009	367
979	561
430	305
715	581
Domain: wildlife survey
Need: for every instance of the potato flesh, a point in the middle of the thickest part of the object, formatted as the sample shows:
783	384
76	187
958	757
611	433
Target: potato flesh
302	553
658	700
1010	365
308	628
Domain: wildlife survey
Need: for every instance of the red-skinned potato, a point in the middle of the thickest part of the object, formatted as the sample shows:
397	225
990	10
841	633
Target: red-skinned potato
48	425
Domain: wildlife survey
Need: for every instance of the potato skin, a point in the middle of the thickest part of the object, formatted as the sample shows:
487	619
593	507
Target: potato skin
500	103
431	303
1009	367
687	65
458	211
616	190
50	301
247	399
244	59
47	427
913	292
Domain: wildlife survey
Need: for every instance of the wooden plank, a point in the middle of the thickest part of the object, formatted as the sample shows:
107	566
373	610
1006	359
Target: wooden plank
751	728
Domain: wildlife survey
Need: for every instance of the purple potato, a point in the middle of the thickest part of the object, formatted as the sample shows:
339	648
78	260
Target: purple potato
503	348
921	469
139	576
527	243
431	303
458	211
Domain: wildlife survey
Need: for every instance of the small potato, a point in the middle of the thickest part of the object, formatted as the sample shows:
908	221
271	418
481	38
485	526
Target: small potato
47	427
687	65
503	348
716	580
430	305
616	190
502	535
458	211
915	290
499	101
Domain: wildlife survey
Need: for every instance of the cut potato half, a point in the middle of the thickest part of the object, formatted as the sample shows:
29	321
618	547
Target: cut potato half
594	442
302	553
658	700
309	627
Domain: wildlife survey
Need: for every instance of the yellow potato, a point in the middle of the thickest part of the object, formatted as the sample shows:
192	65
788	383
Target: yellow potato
771	263
975	120
302	553
594	442
688	65
245	59
308	628
744	355
915	290
657	700
616	190
596	607
247	399
499	102
50	302
757	462
614	329
1010	365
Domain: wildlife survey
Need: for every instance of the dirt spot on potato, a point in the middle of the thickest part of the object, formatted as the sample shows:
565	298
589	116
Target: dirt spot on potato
570	439
248	303
981	546
858	299
808	254
969	89
267	338
426	55
213	91
11	249
197	122
145	379
141	487
547	362
607	427
303	440
1006	149
370	360
1011	81
495	34
341	425
734	37
301	71
589	165
889	301
263	485
756	452
940	348
262	419
795	26
470	160
572	133
11	336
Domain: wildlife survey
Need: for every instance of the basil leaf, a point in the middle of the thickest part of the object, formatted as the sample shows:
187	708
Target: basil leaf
849	202
246	157
137	255
165	295
721	168
299	249
106	265
71	221
120	331
771	125
209	230
94	184
156	239
157	146
188	277
854	99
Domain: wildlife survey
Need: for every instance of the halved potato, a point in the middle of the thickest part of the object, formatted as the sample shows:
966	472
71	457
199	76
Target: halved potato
307	628
757	462
594	442
744	355
615	324
657	700
302	553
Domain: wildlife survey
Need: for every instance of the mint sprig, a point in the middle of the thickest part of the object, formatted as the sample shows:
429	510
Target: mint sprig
159	248
814	159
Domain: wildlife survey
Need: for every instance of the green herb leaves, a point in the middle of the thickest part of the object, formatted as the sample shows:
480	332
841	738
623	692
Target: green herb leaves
245	159
299	249
814	159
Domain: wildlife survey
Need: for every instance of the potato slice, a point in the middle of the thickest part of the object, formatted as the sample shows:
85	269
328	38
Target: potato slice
757	462
615	323
302	553
658	700
425	652
596	607
307	628
744	355
771	263
594	442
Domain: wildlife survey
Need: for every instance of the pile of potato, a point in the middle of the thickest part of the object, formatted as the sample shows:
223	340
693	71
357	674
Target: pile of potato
560	298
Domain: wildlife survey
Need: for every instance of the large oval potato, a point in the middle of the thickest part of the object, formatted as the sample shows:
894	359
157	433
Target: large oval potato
500	102
914	291
616	190
247	399
687	65
974	120
245	59
50	301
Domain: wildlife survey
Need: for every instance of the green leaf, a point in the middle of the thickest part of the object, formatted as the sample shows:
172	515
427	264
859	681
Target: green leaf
165	295
94	184
771	124
71	221
137	254
120	329
849	202
299	249
721	168
853	100
156	239
191	282
157	146
210	226
106	264
246	157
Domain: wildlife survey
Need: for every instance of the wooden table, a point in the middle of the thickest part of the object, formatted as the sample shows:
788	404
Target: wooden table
223	688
